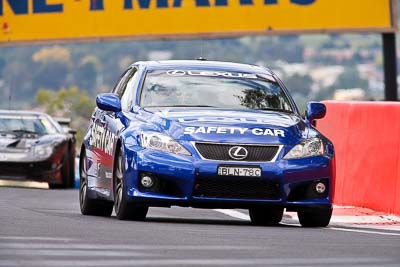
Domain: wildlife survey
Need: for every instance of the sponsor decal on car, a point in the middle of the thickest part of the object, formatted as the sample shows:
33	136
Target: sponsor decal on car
225	74
233	130
212	73
102	138
223	119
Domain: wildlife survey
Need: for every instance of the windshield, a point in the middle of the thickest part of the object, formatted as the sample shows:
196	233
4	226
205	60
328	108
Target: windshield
26	124
181	88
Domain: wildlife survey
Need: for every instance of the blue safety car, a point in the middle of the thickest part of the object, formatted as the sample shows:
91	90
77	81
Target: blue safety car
205	134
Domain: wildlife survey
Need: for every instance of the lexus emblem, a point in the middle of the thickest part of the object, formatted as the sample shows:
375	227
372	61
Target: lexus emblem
238	152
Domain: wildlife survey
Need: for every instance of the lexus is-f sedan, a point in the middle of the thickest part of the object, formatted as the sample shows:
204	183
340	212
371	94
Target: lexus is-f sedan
209	135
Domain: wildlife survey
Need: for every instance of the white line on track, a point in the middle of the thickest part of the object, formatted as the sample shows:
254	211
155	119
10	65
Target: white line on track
234	214
61	239
239	215
361	231
364	219
74	252
202	262
82	246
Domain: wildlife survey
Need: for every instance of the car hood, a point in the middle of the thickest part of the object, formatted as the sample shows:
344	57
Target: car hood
226	125
21	143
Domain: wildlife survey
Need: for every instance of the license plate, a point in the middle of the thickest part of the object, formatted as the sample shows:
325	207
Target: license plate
239	171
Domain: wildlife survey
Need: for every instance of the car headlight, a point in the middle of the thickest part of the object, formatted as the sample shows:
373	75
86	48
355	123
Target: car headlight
43	151
162	142
307	148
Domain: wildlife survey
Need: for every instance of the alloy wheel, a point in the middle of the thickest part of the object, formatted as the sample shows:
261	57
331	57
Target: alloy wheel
119	183
83	180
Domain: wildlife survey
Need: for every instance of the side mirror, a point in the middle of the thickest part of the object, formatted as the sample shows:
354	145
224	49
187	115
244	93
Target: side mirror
315	111
68	130
108	102
72	131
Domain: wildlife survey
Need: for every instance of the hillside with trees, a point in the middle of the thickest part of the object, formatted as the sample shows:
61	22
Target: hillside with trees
313	67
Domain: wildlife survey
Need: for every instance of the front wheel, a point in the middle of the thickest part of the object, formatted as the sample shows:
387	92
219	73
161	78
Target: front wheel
124	210
65	174
266	215
72	168
315	218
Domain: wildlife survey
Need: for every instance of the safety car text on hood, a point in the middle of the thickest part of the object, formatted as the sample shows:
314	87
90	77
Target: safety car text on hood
233	130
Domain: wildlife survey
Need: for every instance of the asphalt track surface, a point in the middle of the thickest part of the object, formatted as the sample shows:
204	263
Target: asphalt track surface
45	228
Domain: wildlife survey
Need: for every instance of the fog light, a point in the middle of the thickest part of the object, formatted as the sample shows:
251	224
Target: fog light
320	188
147	181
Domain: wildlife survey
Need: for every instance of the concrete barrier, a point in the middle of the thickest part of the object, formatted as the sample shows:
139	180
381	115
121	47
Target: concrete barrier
366	136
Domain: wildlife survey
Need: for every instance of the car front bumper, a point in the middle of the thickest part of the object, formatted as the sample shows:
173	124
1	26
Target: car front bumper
188	181
48	170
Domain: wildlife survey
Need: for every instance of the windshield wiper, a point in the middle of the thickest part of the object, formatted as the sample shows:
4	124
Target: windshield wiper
5	133
275	109
23	131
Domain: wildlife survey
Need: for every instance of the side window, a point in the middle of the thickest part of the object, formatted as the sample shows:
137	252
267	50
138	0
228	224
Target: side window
128	90
119	86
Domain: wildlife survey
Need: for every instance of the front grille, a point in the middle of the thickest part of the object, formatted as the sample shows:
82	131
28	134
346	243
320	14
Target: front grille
236	187
221	151
23	170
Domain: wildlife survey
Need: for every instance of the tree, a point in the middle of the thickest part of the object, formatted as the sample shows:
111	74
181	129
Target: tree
299	84
86	73
53	54
68	102
350	78
53	66
50	75
16	83
280	48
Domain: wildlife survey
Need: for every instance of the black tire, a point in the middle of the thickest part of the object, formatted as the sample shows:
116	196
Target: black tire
95	207
65	174
266	215
65	171
315	218
124	210
71	158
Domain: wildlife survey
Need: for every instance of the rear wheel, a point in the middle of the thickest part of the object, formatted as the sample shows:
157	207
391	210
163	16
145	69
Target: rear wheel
124	210
89	206
266	215
315	218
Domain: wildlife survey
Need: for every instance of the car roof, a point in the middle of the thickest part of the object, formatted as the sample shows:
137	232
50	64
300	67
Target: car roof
203	65
22	112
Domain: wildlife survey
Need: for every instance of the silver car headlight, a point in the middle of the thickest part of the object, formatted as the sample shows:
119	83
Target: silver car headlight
162	142
43	151
307	148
